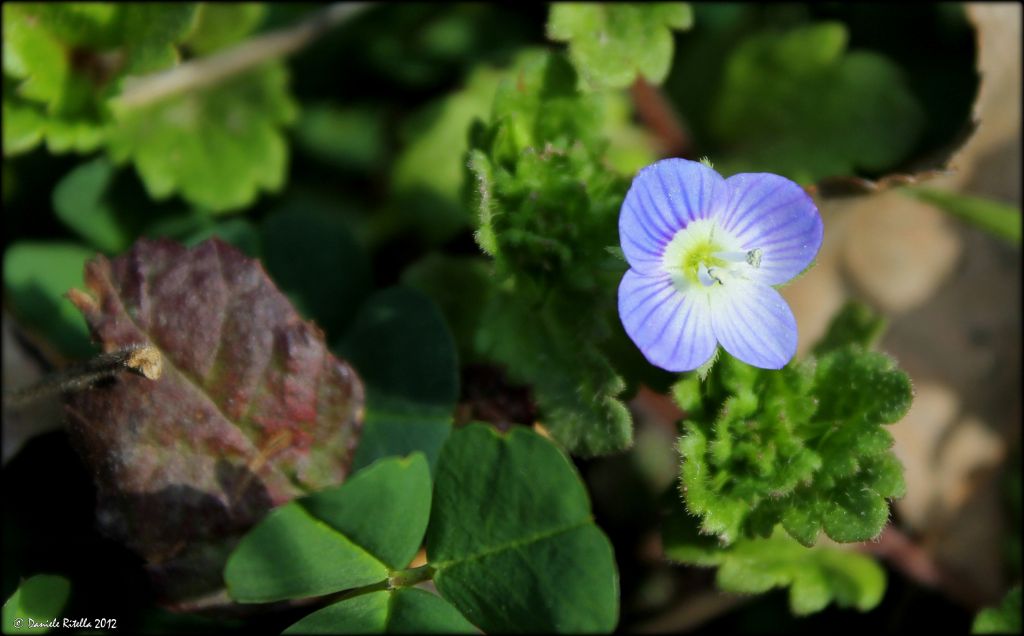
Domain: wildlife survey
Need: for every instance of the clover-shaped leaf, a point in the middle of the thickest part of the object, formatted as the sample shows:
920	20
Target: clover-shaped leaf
338	538
513	539
610	44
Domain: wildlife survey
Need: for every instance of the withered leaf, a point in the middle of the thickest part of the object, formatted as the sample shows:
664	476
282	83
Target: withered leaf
251	410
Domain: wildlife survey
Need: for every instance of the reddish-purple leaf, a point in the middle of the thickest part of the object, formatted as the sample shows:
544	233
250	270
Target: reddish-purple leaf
251	410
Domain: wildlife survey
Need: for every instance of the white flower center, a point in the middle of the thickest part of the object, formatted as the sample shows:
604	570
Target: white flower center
704	254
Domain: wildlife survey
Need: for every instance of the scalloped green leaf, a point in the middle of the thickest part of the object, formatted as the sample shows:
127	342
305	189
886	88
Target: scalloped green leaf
336	539
405	355
400	611
218	147
39	598
1004	619
611	44
783	93
815	576
803	446
513	504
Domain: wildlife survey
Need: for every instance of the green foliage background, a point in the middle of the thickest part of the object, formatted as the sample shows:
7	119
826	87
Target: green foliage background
438	188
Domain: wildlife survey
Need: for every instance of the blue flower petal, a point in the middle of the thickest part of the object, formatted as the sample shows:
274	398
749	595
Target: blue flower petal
664	198
671	328
775	215
753	323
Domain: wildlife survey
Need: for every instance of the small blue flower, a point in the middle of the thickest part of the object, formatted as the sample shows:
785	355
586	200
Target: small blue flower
704	253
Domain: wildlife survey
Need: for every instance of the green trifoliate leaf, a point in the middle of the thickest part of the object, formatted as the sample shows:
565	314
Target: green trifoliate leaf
217	147
1005	619
336	539
610	44
39	598
802	446
511	531
797	103
398	611
815	576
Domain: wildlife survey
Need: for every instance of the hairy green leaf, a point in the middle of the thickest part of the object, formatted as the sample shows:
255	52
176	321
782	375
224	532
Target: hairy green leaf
611	44
802	446
855	323
512	536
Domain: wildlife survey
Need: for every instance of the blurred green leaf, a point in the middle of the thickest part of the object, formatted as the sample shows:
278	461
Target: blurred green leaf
461	287
218	147
402	349
151	31
219	24
428	175
336	539
856	324
39	598
399	611
1000	219
815	576
37	275
512	536
80	204
1005	619
610	44
239	232
347	138
311	252
798	104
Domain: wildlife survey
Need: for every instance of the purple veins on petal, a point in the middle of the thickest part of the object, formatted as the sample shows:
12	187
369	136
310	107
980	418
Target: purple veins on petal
703	253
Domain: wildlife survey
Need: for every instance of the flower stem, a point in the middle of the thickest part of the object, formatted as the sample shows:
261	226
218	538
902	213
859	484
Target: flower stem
412	576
